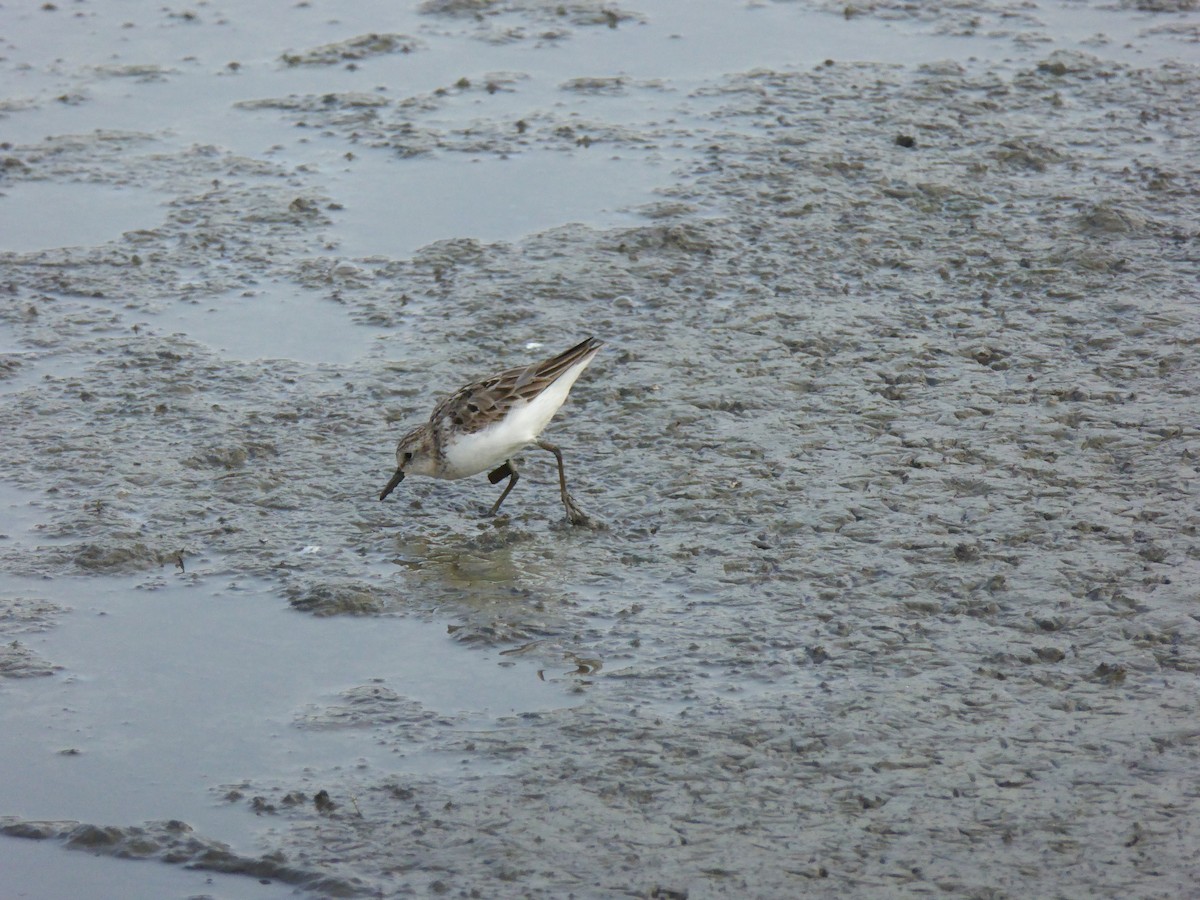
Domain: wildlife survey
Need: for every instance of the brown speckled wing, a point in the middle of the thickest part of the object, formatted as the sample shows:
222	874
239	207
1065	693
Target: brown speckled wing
478	405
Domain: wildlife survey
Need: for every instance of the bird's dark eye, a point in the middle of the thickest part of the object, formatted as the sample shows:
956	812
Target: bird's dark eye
407	455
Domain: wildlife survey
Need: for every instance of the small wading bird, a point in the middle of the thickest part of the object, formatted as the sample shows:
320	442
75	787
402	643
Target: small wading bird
486	423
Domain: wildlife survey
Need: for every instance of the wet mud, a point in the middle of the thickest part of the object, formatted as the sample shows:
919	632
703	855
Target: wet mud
895	440
174	842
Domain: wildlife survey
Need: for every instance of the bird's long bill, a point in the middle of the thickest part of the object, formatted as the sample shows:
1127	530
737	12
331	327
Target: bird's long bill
391	485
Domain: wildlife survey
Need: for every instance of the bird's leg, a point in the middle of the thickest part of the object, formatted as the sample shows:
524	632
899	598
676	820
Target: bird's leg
574	514
507	470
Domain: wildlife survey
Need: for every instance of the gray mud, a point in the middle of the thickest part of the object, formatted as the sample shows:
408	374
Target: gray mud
895	440
173	842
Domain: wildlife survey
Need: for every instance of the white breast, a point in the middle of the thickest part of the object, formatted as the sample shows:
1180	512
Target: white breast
471	454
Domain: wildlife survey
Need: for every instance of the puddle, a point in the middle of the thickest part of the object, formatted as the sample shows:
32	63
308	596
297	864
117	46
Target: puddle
167	694
274	321
41	870
42	215
413	203
697	40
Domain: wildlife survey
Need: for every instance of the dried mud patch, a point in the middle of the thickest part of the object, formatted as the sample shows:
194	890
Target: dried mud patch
373	706
351	50
574	12
23	616
18	661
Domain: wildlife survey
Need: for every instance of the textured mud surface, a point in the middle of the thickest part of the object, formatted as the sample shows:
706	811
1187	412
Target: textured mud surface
896	441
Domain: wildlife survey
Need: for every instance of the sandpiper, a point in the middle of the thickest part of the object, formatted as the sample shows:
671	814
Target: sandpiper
486	423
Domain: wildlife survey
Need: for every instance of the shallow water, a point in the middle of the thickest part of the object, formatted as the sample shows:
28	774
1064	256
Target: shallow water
44	215
34	869
269	321
209	702
894	438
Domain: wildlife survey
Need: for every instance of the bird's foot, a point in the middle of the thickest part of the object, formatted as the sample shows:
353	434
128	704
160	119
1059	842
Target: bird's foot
576	516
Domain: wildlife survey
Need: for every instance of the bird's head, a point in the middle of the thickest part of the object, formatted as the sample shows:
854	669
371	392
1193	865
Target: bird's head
414	456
